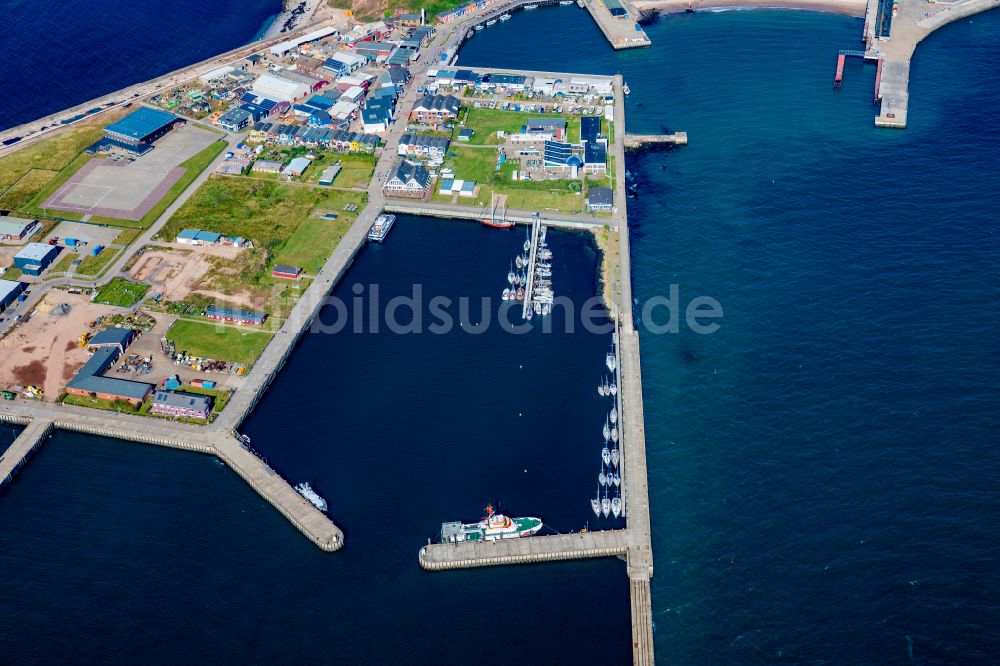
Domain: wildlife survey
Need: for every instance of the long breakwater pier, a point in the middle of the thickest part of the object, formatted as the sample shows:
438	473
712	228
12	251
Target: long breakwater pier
892	30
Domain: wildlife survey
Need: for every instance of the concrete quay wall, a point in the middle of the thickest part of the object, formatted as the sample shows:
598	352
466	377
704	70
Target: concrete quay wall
527	550
267	483
18	454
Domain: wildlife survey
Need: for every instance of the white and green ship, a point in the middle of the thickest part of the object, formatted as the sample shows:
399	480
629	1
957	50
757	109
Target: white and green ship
493	527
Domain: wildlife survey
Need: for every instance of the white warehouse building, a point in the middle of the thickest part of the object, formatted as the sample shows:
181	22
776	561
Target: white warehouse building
284	47
279	88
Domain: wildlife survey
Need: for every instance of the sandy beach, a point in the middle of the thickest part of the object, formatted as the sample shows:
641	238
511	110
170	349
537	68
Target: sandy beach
847	7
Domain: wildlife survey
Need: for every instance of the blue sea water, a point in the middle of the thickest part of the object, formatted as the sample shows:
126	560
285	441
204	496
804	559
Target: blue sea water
60	54
823	469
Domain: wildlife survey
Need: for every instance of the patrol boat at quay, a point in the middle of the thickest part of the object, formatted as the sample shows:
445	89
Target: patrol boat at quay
306	491
380	228
493	527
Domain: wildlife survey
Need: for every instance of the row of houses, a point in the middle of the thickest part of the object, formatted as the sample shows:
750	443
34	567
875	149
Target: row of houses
313	137
419	146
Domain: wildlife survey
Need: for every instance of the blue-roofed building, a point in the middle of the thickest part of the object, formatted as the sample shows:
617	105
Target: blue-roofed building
9	291
198	237
376	115
590	128
142	126
318	118
35	258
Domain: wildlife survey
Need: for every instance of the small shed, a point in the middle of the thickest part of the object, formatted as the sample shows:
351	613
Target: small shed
287	272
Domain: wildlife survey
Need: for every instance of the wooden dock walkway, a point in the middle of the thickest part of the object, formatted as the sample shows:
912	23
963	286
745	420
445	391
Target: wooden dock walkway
532	259
549	548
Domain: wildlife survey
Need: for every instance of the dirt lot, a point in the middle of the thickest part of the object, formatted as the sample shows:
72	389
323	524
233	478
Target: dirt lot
45	350
176	272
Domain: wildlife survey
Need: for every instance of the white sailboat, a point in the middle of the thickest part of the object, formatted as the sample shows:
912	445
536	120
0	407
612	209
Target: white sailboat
615	456
506	294
607	431
595	503
600	390
527	243
510	275
614	434
616	506
605	503
518	262
617	479
606	455
611	361
613	389
614	415
602	478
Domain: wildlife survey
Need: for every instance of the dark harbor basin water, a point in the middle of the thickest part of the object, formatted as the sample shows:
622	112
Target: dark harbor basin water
823	470
399	433
8	433
61	54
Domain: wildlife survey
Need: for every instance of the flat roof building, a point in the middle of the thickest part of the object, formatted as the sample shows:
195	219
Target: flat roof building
144	125
35	254
16	228
9	291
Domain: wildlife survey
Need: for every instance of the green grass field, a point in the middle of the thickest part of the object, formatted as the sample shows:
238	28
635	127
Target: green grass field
122	293
281	220
217	341
478	164
311	244
355	169
486	122
93	266
50	155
